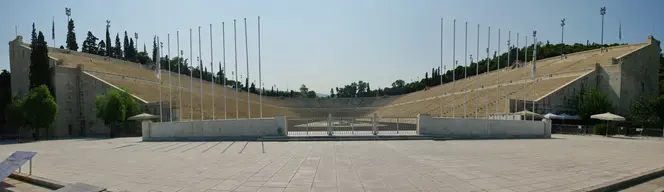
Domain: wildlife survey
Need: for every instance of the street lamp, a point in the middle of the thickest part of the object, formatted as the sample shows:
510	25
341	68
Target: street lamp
562	38
136	37
68	13
602	11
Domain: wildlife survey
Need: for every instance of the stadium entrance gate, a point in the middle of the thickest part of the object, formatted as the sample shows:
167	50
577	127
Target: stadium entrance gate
351	126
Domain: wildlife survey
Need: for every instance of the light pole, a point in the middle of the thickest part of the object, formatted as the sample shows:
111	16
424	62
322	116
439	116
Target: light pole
602	11
562	38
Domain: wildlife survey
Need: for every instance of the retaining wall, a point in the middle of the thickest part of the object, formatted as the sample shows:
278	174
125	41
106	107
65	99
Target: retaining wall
482	128
214	129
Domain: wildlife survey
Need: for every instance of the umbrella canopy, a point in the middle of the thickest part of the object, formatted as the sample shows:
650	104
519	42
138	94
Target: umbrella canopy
143	116
571	117
551	116
528	113
608	117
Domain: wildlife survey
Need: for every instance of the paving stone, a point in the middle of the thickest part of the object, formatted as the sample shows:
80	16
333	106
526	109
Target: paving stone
565	164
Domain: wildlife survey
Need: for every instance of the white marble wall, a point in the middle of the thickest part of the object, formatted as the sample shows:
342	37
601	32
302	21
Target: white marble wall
481	128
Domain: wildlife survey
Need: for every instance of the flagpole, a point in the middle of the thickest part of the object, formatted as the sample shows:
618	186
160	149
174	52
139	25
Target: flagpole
170	84
442	67
465	72
200	70
516	101
161	113
177	35
237	109
212	71
223	41
509	51
488	62
498	69
525	79
477	71
260	75
246	51
532	86
191	77
453	60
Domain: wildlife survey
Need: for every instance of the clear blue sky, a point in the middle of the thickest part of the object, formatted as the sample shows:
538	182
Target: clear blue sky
325	44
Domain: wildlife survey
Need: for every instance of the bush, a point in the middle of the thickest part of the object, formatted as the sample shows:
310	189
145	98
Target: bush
599	129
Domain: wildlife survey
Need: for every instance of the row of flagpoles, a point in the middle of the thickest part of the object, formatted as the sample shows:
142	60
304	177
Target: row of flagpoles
488	60
200	65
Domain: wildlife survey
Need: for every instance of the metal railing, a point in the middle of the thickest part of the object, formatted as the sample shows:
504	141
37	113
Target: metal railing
351	126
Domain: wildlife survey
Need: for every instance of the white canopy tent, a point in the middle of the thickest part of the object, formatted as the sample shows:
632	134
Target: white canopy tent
551	116
527	113
607	117
569	117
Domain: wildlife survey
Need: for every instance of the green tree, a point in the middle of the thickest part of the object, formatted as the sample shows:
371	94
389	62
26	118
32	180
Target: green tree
5	93
154	50
115	107
125	45
304	90
71	36
594	101
33	38
39	65
14	115
40	108
108	44
143	58
644	111
102	48
252	88
118	47
90	44
131	53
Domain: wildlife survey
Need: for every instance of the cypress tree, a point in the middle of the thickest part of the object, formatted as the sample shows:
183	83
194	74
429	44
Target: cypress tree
39	66
118	47
71	36
125	45
108	44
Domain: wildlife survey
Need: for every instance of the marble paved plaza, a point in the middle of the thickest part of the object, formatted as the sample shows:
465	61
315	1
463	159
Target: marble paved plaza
566	163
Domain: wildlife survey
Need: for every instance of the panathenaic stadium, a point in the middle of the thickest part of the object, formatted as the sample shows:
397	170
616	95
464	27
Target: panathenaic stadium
625	73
